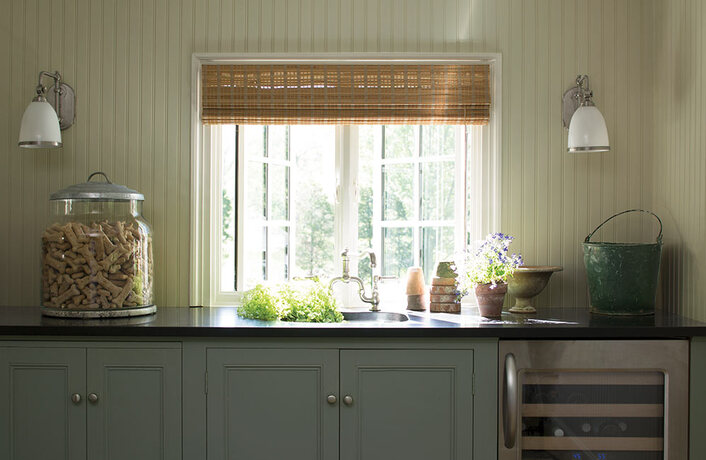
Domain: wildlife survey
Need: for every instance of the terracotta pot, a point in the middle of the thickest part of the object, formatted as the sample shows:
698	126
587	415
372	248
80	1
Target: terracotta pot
490	300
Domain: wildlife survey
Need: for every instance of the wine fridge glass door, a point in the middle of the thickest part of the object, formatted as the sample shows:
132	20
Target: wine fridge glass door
592	415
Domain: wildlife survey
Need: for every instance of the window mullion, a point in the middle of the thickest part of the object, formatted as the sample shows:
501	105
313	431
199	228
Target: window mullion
348	231
346	212
460	201
291	211
378	199
351	204
268	208
417	199
241	190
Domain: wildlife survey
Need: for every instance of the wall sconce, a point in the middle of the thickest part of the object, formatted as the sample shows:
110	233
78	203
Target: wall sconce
587	129
48	114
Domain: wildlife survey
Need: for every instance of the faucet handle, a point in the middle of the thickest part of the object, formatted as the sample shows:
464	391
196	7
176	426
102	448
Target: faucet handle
346	263
378	278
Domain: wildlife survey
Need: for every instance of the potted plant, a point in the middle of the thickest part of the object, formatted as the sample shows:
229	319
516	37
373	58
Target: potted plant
485	269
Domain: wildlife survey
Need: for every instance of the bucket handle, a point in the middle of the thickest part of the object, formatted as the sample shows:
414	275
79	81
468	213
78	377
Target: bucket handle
659	237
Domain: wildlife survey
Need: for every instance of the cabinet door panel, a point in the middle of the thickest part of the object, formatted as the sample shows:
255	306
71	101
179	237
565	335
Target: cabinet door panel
270	404
138	411
411	404
38	420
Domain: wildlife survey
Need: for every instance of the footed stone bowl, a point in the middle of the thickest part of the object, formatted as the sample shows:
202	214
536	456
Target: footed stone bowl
527	282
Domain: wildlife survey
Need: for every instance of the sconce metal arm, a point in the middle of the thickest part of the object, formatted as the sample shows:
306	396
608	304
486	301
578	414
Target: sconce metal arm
584	95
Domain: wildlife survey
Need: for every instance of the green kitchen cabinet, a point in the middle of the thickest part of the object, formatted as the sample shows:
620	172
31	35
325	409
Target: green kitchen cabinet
38	418
81	402
697	404
410	404
391	402
268	404
134	404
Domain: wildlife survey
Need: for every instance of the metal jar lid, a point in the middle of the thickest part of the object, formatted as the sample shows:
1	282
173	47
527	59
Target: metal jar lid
97	191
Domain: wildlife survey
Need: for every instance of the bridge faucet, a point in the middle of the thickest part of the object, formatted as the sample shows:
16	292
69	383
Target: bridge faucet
374	298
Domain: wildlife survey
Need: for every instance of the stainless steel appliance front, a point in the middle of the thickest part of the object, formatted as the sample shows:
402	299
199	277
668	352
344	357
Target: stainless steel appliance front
593	400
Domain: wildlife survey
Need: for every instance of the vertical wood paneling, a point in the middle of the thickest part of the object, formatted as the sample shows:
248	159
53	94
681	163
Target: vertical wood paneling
159	139
543	104
129	62
555	152
6	47
679	168
568	178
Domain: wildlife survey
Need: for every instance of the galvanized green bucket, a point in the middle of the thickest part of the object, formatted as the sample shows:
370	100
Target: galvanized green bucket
622	277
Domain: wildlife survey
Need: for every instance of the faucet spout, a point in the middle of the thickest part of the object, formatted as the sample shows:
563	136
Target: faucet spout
374	298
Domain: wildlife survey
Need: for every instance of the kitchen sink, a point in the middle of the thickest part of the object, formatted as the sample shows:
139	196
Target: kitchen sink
374	316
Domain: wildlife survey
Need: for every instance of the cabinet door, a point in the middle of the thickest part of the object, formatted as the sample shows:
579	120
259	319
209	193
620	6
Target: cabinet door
137	413
410	404
38	419
272	404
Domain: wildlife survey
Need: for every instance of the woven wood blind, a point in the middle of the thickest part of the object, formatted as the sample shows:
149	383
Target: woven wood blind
345	94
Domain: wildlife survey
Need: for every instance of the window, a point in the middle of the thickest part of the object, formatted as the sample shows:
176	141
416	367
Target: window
282	201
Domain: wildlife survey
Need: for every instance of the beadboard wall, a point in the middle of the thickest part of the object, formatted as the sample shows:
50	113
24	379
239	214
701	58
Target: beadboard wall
129	62
680	151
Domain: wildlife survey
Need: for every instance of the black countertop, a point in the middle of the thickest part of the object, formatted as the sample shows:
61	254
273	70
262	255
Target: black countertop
548	323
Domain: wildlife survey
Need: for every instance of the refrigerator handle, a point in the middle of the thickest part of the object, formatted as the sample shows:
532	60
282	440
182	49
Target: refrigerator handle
510	408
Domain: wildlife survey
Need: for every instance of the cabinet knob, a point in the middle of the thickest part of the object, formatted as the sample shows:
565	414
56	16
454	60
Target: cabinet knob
331	399
348	400
93	397
76	398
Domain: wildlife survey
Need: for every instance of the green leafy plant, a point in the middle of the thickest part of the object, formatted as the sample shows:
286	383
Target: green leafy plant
302	301
260	303
309	302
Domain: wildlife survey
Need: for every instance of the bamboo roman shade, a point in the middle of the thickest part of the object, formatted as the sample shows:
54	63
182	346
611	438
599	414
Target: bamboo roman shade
345	94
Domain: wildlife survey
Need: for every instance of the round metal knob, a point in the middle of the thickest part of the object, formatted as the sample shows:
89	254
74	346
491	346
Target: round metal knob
76	398
93	397
348	400
331	399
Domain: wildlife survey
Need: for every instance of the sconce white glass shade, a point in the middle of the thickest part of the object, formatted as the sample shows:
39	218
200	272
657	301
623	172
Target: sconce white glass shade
40	127
587	131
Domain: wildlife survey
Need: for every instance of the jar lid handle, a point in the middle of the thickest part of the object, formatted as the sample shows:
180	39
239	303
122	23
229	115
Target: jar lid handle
102	174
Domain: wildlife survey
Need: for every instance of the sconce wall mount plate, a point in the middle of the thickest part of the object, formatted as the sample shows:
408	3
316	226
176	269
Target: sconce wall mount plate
569	104
67	104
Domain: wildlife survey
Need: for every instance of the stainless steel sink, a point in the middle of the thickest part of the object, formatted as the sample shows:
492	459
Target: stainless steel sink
374	316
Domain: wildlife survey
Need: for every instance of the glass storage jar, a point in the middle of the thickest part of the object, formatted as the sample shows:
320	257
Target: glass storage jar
97	253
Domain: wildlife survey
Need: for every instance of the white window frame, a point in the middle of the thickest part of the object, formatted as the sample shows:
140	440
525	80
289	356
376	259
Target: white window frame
206	207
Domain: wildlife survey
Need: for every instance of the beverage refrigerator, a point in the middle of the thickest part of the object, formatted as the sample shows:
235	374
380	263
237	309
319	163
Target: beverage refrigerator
593	400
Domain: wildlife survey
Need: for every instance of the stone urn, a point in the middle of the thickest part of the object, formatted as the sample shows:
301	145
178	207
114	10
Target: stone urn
490	299
526	283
